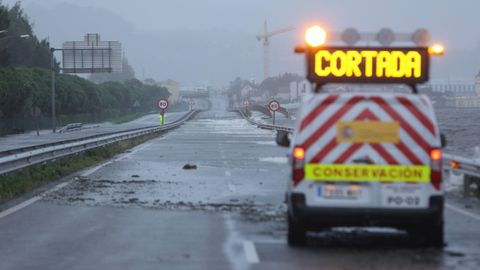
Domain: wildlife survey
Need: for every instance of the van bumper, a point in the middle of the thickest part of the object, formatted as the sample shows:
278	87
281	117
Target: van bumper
323	217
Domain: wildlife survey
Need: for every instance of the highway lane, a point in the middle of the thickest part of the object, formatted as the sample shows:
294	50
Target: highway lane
46	136
142	210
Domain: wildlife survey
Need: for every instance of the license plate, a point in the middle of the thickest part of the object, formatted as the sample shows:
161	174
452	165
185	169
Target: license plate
348	192
403	196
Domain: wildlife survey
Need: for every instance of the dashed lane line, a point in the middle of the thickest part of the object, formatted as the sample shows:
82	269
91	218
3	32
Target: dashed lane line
250	252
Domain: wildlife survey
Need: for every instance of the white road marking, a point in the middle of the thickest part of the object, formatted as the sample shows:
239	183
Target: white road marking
232	246
250	252
134	151
32	200
464	212
96	168
19	206
228	173
35	199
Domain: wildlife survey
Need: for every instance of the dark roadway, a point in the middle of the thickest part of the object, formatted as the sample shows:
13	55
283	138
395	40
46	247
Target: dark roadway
142	210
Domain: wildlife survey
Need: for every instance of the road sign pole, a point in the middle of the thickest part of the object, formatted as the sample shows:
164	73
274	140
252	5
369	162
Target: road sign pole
54	118
274	106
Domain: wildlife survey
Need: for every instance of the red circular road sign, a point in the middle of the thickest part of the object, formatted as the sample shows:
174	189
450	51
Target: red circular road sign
162	104
274	105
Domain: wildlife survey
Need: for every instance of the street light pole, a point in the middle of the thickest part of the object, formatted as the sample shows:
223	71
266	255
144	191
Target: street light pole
54	118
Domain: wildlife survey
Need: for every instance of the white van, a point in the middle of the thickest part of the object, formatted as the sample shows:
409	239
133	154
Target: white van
365	159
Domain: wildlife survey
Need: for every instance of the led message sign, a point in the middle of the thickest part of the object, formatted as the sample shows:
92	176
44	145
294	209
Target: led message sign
368	65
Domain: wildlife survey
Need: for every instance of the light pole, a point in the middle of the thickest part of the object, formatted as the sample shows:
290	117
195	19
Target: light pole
54	118
15	36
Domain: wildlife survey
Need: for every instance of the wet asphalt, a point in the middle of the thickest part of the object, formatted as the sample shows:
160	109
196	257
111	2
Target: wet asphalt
145	209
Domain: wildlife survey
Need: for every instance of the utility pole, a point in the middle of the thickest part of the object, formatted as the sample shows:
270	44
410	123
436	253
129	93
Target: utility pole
54	118
265	37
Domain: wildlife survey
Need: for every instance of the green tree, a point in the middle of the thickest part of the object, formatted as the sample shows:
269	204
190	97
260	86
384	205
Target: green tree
16	51
273	84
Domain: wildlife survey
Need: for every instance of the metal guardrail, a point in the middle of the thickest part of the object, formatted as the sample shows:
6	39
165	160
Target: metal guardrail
264	126
40	146
71	127
49	152
468	167
461	165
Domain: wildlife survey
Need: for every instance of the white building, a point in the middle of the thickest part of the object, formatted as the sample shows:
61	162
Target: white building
174	89
299	88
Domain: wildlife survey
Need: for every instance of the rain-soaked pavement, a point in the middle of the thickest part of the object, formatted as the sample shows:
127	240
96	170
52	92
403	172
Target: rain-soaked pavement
143	210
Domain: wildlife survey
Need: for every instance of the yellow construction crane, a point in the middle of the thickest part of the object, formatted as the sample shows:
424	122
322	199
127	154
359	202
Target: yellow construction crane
265	37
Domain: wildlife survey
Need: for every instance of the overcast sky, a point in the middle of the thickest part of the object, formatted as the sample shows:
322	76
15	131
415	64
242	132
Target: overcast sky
220	34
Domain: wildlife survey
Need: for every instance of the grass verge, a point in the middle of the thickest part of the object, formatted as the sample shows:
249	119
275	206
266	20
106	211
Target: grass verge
18	183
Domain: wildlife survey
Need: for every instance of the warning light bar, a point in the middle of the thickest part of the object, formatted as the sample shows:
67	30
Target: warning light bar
315	36
436	49
368	65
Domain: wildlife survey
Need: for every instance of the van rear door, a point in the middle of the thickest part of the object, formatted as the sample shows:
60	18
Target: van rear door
359	147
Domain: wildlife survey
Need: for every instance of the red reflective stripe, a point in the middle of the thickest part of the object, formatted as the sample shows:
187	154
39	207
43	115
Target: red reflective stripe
332	120
418	114
325	150
348	153
405	126
384	153
317	111
411	156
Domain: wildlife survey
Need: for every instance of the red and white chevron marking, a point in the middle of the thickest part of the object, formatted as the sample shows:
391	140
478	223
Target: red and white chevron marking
417	136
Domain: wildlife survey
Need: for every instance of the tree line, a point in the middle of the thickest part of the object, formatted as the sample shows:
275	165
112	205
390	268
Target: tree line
269	87
22	89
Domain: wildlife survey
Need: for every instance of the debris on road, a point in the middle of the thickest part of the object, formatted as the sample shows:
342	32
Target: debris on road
189	166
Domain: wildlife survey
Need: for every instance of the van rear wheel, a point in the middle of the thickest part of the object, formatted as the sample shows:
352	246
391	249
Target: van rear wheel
432	233
296	235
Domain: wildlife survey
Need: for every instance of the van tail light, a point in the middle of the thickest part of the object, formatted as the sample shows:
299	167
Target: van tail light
436	174
298	163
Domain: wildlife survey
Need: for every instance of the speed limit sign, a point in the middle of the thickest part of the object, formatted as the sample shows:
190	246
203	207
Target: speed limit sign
274	105
162	104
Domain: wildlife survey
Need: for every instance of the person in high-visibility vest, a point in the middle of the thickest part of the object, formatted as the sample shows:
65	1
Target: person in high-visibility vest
162	118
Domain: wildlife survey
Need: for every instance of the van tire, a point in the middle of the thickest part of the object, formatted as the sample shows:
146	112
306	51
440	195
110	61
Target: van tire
434	235
296	235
